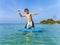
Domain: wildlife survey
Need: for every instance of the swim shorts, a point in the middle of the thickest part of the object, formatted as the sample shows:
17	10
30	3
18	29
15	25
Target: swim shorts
29	25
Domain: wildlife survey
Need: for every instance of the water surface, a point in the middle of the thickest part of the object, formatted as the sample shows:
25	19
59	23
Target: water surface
10	35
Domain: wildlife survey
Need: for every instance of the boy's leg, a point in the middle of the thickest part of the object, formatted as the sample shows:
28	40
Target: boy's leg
33	25
26	26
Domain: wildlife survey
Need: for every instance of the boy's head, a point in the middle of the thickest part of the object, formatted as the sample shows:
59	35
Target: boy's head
26	10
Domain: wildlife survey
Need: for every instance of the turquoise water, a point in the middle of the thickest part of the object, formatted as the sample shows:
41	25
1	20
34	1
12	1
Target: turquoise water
10	35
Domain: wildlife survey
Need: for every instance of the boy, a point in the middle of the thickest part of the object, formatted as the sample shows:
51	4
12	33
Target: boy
28	15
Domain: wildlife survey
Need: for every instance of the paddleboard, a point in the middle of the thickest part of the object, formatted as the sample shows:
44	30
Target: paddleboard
30	30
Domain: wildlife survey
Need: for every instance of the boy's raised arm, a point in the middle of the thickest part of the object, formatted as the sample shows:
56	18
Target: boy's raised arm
35	13
20	14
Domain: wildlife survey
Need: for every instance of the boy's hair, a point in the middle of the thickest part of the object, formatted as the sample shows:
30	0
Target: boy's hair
26	9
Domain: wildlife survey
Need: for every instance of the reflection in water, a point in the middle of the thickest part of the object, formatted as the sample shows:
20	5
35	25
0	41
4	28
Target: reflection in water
38	38
28	38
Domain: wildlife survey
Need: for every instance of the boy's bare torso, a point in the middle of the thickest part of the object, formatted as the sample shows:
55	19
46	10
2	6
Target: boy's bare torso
28	16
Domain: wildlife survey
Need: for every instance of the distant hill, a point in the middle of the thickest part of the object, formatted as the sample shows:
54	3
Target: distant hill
50	21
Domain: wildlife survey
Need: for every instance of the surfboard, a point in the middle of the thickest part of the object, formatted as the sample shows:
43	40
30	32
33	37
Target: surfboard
31	30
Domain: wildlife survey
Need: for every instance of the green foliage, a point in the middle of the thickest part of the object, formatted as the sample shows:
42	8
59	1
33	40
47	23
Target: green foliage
58	21
49	21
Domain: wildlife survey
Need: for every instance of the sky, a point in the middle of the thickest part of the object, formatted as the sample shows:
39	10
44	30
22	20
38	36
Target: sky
47	8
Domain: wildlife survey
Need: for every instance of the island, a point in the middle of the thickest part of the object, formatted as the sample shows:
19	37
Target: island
50	21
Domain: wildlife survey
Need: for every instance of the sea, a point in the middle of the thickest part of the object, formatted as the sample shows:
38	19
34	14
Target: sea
10	34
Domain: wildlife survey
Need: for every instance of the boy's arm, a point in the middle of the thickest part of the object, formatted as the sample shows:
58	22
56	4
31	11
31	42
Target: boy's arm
35	13
20	14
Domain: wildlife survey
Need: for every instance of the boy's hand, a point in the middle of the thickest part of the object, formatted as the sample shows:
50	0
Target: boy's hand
19	13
